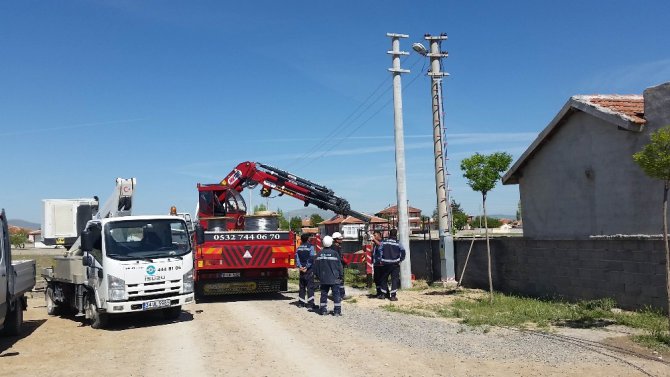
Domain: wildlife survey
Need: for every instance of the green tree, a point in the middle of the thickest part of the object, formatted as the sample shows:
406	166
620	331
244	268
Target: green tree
283	223
295	224
483	173
459	217
654	159
315	219
19	238
260	208
491	222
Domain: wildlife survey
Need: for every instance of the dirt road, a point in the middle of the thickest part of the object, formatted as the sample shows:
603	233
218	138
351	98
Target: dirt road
269	336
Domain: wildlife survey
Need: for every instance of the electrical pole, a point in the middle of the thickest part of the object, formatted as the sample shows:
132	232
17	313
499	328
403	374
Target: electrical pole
441	183
401	184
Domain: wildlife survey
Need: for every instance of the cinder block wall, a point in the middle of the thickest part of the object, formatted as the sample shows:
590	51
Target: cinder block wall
630	271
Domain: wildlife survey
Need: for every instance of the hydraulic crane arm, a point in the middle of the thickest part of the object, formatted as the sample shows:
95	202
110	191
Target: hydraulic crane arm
250	174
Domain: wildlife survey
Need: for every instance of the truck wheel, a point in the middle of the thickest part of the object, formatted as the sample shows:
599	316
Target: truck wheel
14	320
52	307
172	313
98	320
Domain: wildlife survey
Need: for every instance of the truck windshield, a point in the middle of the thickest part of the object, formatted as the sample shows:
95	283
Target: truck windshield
142	239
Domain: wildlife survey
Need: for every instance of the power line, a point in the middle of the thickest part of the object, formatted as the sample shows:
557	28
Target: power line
384	106
346	123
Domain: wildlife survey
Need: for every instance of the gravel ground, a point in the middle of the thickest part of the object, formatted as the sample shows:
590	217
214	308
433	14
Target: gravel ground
506	345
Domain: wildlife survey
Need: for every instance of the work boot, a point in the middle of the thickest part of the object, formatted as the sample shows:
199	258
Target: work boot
393	298
380	296
301	304
337	314
323	311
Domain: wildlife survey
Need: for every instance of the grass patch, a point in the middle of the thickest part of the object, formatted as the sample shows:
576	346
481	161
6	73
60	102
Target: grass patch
418	311
419	285
656	341
42	261
355	278
294	275
521	312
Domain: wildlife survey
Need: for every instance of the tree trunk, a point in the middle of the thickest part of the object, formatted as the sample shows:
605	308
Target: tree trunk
667	247
488	248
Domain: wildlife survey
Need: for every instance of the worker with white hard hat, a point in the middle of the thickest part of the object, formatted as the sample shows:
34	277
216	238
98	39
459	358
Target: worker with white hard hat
328	268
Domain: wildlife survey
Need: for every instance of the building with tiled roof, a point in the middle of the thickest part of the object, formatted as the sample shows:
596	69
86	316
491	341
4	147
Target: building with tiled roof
350	226
391	213
578	178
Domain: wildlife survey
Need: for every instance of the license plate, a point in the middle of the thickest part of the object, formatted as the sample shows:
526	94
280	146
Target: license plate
235	287
155	304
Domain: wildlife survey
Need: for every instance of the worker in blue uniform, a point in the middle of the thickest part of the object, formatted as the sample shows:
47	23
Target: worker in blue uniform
376	263
391	254
304	261
328	268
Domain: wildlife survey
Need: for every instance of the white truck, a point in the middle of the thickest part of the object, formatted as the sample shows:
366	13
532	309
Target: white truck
16	278
122	264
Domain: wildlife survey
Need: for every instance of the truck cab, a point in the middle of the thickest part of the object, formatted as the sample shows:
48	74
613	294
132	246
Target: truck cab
126	264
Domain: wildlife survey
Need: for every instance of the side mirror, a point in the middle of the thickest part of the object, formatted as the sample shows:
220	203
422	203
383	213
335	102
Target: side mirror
199	235
87	261
86	241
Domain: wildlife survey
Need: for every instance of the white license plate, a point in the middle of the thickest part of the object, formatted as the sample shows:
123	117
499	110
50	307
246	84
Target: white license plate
155	304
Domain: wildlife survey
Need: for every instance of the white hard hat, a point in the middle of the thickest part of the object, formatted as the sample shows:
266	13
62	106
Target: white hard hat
327	241
337	235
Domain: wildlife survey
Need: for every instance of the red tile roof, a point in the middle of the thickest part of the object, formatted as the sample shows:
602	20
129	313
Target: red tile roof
630	106
333	220
373	220
394	209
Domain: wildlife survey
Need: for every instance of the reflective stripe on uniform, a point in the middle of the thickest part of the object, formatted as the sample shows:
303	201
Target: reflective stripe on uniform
328	258
390	260
338	304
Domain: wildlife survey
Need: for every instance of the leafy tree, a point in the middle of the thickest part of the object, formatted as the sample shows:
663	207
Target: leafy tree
18	238
654	159
260	208
459	217
283	223
315	219
295	224
482	173
491	222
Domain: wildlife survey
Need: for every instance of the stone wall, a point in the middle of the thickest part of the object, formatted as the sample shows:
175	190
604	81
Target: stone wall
630	271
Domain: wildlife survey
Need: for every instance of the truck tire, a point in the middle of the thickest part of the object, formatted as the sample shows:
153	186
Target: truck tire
14	320
98	320
52	307
172	313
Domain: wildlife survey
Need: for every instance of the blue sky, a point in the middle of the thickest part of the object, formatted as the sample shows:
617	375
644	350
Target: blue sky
176	93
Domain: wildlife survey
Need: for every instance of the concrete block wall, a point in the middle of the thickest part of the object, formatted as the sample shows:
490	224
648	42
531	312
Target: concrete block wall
630	271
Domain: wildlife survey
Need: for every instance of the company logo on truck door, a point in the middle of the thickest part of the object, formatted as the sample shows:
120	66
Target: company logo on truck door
151	269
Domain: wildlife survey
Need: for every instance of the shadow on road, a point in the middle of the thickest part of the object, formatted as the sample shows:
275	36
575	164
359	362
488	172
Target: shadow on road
244	297
6	342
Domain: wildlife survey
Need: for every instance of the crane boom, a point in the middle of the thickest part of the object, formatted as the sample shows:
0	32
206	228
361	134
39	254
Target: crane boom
251	174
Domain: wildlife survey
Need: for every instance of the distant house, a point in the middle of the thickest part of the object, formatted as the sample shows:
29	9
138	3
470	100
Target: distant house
350	226
578	178
391	214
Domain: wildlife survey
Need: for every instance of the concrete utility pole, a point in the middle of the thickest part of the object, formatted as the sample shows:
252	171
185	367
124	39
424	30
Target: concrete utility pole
401	184
441	183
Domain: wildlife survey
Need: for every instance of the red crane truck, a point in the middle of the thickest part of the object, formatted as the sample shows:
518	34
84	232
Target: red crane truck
230	259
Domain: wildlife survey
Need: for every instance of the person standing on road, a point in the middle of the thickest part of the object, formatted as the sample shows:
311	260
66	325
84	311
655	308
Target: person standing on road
376	263
328	268
337	245
304	260
392	253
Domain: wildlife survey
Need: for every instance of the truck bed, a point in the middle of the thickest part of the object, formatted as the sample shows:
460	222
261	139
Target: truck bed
24	276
